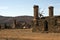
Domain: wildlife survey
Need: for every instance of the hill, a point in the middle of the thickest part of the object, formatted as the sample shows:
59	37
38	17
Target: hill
27	19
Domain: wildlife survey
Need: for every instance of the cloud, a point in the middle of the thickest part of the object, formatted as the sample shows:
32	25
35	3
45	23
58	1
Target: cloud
3	7
54	4
57	3
50	4
57	11
3	10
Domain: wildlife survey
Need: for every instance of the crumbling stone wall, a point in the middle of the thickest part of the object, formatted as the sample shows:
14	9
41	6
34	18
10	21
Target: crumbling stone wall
46	24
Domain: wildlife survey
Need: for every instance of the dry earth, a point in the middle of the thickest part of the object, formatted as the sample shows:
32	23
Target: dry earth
26	34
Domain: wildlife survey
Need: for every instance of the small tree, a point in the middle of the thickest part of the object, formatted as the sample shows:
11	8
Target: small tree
41	14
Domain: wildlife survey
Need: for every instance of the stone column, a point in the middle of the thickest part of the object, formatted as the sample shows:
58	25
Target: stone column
36	7
36	18
51	11
14	23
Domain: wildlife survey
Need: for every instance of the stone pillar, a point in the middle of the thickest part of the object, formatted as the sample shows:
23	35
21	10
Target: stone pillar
51	11
36	7
35	20
14	23
36	11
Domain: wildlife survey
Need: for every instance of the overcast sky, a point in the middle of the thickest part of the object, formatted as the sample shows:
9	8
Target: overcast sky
25	7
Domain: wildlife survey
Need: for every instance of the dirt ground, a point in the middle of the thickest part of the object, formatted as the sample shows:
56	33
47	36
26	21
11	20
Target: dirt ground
26	34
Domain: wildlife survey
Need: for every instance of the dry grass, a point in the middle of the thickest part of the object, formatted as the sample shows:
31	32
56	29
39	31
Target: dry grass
26	34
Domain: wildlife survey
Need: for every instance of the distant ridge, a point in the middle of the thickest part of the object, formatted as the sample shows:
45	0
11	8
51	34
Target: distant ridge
5	19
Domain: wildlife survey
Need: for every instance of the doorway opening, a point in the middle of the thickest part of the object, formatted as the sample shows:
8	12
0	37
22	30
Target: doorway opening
45	26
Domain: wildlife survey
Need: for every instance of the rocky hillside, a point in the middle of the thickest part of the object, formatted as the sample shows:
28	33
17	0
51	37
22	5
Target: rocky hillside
4	19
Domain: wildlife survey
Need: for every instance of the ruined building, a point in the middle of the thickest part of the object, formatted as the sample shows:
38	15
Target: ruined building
48	24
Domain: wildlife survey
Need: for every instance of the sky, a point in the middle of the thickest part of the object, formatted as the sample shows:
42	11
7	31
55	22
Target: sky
25	7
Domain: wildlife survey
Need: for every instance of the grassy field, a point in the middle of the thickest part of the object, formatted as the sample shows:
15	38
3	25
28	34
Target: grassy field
26	34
